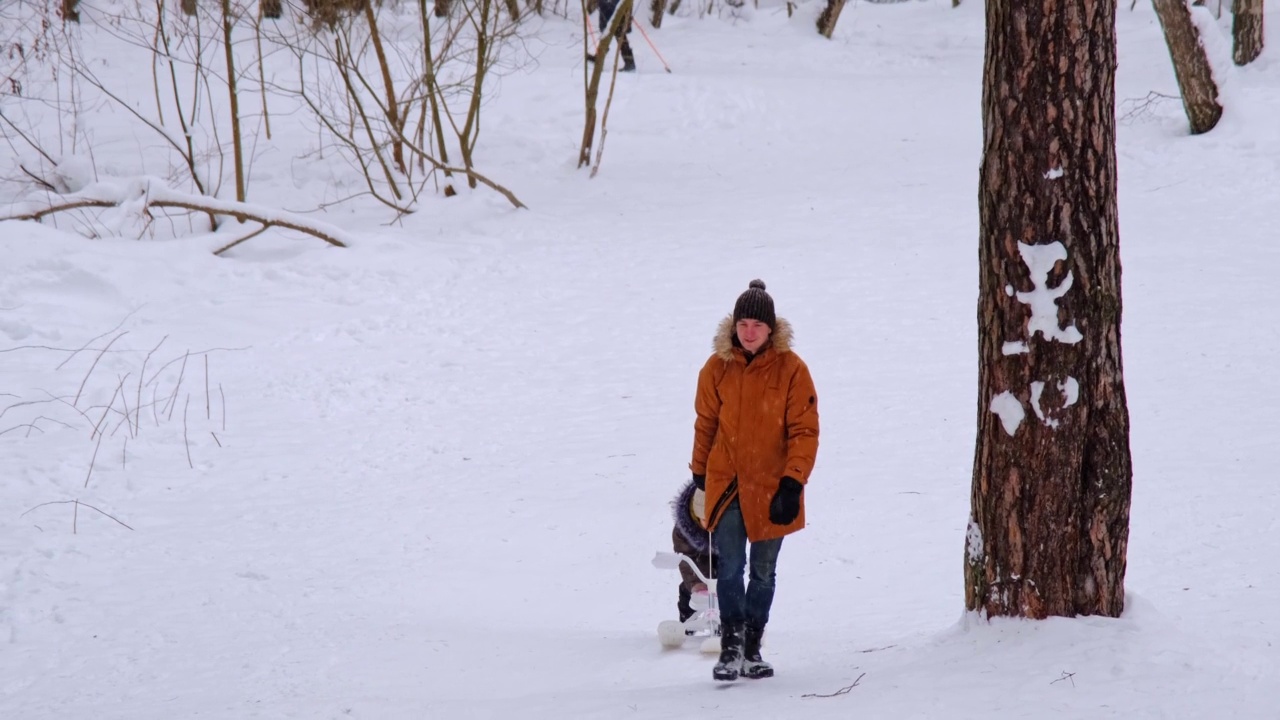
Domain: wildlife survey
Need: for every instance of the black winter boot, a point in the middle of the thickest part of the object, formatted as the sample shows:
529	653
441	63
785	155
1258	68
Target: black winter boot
730	664
683	607
754	666
628	57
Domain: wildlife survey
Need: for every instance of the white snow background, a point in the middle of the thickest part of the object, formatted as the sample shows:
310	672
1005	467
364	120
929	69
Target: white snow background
429	471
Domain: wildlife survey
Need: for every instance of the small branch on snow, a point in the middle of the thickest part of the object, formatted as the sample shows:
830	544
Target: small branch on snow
1065	676
186	442
77	503
173	399
871	650
1132	109
246	238
842	691
85	380
92	460
93	340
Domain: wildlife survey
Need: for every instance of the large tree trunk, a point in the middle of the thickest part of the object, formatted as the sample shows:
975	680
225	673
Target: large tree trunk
1246	30
827	19
1049	525
1190	65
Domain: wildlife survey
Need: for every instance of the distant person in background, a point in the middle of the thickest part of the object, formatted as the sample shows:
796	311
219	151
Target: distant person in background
607	9
755	440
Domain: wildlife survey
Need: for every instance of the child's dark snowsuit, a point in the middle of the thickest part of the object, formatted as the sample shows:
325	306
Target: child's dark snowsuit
688	537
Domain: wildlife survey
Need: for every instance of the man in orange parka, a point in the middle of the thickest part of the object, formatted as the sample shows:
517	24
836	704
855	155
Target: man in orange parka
754	444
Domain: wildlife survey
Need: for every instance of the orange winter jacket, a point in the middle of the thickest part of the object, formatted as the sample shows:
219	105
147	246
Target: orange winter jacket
757	422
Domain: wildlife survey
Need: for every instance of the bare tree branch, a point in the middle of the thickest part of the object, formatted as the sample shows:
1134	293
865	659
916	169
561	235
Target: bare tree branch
166	198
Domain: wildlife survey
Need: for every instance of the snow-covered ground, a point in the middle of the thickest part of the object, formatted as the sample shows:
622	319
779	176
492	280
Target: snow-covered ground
423	477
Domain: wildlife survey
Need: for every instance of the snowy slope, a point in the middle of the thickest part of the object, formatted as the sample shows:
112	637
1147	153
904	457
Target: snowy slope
444	455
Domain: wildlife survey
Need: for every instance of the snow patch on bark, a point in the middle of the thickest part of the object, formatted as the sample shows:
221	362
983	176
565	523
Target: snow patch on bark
1043	300
1010	410
973	544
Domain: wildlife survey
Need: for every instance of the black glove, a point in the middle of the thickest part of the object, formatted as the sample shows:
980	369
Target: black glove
700	482
785	506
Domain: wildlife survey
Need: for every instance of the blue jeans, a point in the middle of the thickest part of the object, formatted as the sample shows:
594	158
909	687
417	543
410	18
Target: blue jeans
738	604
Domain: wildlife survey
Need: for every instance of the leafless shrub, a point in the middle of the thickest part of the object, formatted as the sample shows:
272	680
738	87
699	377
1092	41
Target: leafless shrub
397	91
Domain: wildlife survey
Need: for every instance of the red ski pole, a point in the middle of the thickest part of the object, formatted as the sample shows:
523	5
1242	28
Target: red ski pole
651	45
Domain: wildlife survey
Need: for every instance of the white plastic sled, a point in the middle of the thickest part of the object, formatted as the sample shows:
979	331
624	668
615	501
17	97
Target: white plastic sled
704	625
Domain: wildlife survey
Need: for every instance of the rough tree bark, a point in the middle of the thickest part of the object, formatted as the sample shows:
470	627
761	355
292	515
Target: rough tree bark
827	19
1052	476
1246	31
657	8
1190	65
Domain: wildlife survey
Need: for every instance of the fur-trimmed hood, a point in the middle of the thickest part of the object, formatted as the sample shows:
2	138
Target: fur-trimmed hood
689	528
723	341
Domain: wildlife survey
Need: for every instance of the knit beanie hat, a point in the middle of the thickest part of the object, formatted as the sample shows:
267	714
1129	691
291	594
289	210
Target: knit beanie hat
755	304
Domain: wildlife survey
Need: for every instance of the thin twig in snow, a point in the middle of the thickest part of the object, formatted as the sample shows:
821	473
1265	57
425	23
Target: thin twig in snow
93	340
841	691
245	238
94	365
28	426
184	431
92	460
77	503
141	373
182	358
173	399
110	405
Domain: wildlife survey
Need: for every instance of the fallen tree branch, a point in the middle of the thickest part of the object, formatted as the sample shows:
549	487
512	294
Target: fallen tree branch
152	195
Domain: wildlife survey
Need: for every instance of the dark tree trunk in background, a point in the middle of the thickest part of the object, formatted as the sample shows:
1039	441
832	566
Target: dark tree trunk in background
1190	65
827	20
1052	476
657	9
1246	31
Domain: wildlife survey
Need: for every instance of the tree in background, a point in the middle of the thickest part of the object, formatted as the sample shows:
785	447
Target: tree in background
1190	65
1246	31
